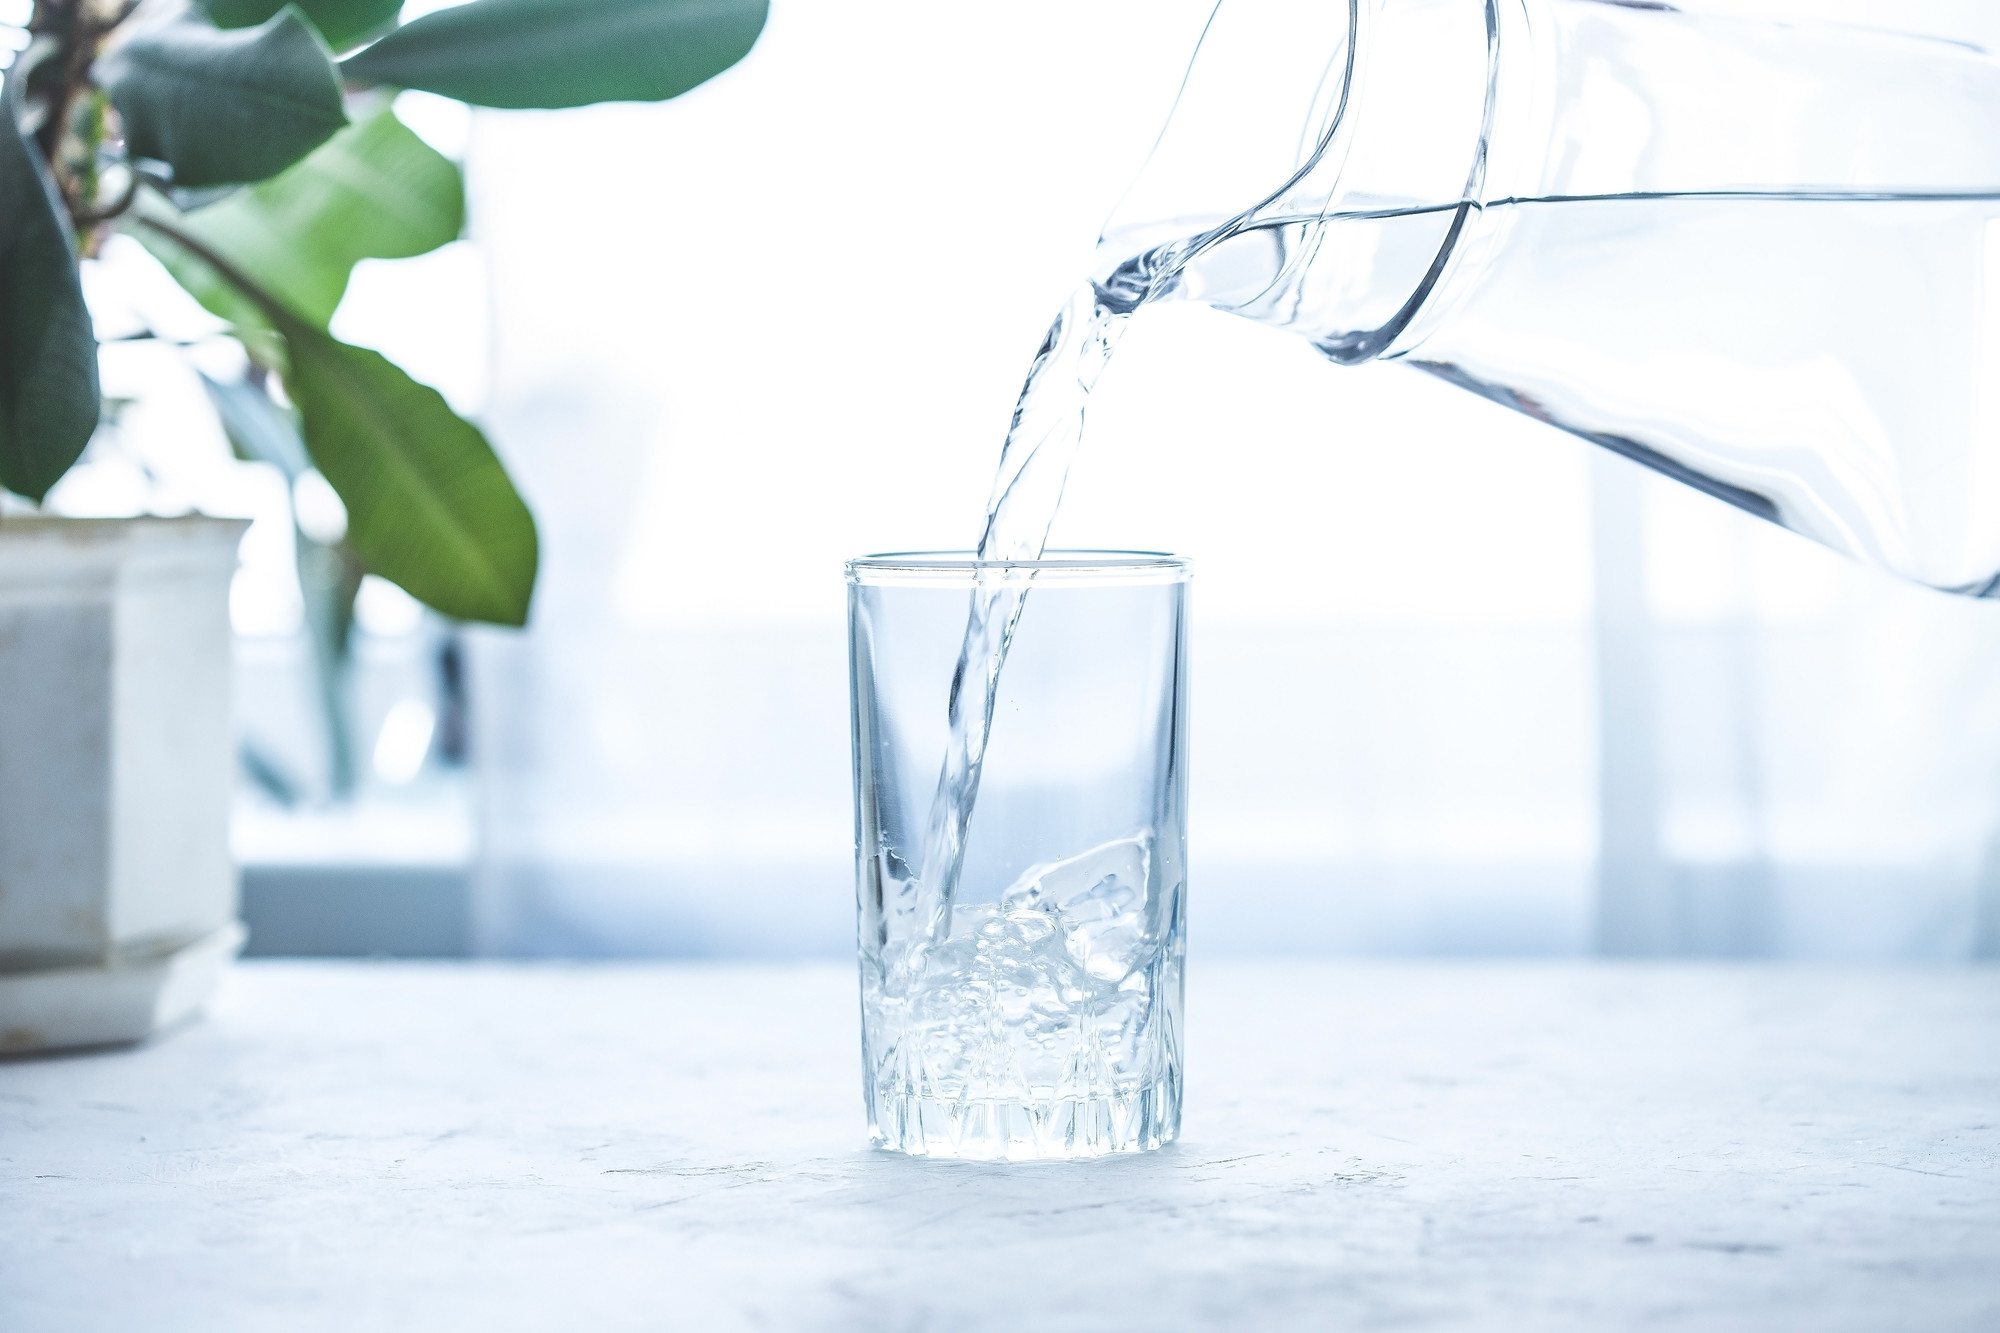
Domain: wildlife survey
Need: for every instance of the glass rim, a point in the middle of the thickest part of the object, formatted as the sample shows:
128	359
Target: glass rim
1060	566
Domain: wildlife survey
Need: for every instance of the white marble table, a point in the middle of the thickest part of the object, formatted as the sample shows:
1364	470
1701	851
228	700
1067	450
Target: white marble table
482	1147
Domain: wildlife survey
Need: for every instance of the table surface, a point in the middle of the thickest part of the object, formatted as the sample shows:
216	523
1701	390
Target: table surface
497	1147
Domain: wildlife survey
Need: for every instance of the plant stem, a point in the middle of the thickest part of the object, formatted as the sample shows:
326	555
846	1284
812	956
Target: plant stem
77	118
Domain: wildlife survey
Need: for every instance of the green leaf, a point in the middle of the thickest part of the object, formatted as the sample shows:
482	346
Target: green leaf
258	428
556	53
375	191
343	23
200	279
329	576
429	505
48	356
221	107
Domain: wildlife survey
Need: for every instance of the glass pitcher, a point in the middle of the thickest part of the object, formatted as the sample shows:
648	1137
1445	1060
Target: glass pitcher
1761	256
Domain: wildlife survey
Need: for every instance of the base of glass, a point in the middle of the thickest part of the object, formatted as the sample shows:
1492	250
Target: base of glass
1059	1129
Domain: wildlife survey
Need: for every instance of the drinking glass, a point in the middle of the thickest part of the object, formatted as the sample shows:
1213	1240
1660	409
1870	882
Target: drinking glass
1028	1006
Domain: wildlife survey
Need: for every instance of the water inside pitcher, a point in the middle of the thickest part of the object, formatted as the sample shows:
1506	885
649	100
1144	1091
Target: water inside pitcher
1762	257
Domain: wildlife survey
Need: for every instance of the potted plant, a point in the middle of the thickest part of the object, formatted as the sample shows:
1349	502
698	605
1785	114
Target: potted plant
251	147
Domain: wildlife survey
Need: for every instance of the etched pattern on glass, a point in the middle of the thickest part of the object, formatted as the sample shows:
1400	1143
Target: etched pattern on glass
1042	1025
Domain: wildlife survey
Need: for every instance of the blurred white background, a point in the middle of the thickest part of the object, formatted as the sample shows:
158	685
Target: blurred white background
1460	686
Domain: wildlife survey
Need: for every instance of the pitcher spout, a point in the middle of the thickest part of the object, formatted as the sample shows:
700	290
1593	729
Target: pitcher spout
1326	194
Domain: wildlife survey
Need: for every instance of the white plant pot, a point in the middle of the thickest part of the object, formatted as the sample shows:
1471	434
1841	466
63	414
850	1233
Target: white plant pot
117	895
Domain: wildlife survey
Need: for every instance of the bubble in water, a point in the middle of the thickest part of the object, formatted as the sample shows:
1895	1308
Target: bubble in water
996	1006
